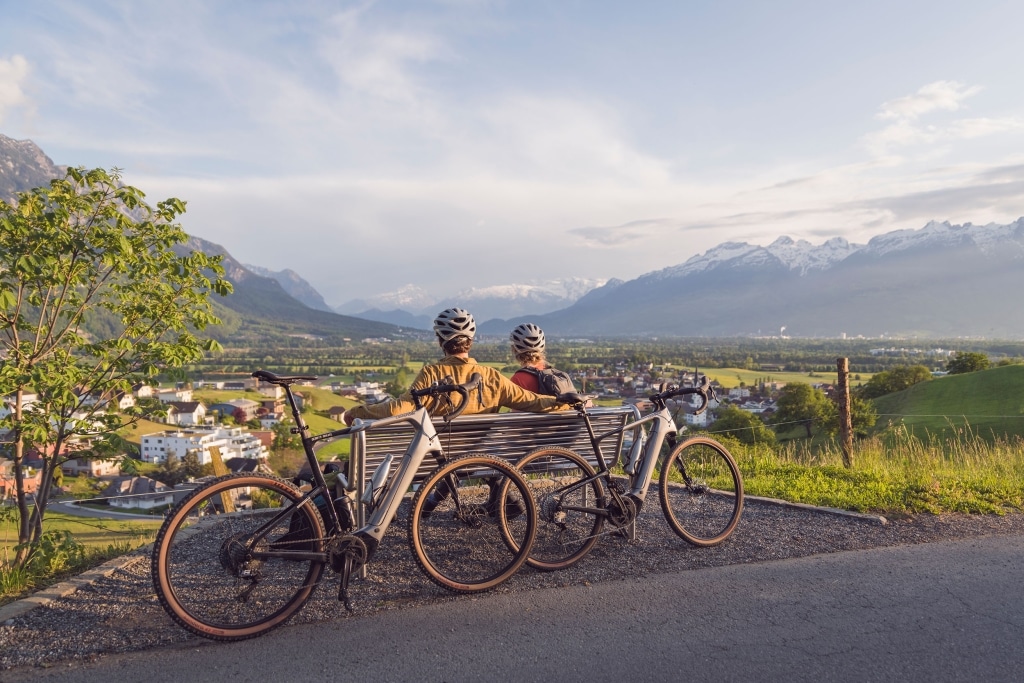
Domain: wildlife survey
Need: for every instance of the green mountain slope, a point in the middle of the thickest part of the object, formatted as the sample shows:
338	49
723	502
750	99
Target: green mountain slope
260	310
990	402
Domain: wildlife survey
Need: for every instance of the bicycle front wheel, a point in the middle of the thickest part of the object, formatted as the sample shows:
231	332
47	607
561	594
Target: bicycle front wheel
701	491
569	500
457	521
238	556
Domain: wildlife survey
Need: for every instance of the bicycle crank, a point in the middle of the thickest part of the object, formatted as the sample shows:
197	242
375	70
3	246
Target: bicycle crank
347	547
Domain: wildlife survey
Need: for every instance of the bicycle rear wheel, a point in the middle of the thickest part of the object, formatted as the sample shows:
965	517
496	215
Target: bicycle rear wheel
238	557
457	520
701	491
568	500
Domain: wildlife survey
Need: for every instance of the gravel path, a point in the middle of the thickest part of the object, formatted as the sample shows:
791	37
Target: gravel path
121	613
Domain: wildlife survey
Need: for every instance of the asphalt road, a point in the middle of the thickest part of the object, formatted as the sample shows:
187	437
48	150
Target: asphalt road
951	611
72	508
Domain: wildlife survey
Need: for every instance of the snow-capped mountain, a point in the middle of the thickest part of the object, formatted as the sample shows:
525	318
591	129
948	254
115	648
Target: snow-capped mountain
413	306
800	256
942	280
409	298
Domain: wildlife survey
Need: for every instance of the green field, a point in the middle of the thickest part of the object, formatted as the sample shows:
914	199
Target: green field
141	429
732	377
90	532
987	403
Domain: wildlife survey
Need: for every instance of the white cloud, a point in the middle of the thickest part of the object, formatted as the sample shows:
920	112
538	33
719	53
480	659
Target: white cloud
13	73
377	61
940	95
907	130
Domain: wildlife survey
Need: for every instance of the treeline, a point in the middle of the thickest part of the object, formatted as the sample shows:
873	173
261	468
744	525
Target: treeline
767	355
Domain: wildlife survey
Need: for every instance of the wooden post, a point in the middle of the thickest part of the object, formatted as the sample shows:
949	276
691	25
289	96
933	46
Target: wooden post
845	420
220	469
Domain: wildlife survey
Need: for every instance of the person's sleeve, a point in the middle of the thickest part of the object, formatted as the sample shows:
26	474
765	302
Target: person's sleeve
396	406
402	404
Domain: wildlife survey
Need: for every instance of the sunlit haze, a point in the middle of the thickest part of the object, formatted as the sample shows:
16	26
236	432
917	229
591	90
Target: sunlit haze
463	143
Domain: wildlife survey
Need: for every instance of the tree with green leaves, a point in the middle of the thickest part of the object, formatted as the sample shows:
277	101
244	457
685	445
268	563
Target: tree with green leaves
897	379
800	403
863	417
966	361
742	425
401	382
96	295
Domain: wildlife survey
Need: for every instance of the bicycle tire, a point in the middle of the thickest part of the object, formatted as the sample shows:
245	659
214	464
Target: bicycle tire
557	480
701	491
207	577
459	538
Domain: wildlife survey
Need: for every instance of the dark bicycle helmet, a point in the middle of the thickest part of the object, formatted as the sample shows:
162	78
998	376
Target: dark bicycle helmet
527	337
454	322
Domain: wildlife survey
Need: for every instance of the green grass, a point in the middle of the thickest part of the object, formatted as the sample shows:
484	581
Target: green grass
902	474
142	428
989	404
339	448
81	543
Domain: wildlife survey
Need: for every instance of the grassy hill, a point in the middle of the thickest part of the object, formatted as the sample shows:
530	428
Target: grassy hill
990	402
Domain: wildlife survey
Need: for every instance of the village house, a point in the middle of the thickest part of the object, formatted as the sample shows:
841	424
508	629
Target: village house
268	420
142	390
184	413
174	395
140	493
91	467
231	442
7	484
272	391
247	407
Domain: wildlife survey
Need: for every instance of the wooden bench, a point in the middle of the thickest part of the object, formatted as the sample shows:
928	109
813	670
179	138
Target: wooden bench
505	435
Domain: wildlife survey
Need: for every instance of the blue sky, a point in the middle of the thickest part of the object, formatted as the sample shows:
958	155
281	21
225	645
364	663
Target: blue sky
469	143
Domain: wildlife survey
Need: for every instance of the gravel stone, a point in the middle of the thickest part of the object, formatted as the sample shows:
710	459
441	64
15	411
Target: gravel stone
121	613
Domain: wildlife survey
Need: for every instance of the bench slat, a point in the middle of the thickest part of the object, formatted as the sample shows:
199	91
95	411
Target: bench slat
506	435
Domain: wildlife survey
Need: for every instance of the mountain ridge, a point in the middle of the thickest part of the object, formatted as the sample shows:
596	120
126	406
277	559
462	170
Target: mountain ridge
942	280
260	307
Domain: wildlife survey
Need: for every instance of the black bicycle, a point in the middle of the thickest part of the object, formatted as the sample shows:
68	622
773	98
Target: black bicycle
242	554
700	486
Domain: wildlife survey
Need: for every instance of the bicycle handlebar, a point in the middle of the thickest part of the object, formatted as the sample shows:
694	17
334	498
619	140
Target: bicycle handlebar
706	391
447	387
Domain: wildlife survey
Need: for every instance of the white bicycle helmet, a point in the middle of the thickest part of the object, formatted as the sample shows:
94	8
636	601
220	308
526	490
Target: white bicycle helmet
454	322
527	337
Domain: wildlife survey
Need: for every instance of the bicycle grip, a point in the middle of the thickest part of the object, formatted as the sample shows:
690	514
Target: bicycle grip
463	390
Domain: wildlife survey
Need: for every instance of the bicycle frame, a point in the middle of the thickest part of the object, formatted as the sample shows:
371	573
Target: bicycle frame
424	442
640	468
640	480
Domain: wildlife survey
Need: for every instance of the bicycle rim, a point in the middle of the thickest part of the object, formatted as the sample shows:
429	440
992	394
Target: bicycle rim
565	531
457	535
701	491
221	564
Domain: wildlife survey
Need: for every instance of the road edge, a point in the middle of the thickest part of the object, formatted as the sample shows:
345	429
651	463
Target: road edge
13	610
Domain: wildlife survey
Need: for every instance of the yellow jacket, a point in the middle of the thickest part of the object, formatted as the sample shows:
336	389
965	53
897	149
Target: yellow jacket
495	391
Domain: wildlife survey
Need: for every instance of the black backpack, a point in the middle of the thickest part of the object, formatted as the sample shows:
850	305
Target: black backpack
552	382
